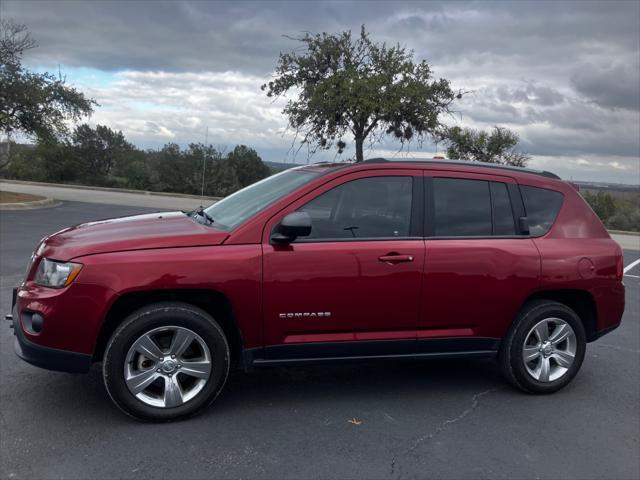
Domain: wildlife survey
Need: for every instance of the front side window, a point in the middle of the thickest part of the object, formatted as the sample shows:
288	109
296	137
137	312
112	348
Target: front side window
375	207
462	208
542	207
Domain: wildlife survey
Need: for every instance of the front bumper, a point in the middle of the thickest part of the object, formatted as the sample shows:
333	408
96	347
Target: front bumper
46	357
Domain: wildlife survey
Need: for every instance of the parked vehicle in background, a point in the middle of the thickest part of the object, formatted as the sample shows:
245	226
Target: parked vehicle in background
327	262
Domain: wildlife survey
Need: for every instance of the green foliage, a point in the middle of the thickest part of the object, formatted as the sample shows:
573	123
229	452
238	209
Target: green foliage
602	203
225	178
248	165
57	162
99	150
616	213
103	157
34	104
356	87
497	146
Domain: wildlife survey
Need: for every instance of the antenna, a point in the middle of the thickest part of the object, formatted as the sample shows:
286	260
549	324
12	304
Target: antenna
204	165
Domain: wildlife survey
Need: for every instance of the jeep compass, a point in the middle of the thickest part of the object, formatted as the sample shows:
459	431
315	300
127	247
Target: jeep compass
326	262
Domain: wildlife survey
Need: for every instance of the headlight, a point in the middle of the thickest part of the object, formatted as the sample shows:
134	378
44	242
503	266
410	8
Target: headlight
56	274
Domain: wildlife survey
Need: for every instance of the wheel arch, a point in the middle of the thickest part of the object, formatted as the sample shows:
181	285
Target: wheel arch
580	301
213	302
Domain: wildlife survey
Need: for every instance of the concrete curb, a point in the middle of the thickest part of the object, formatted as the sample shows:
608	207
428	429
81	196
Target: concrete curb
105	189
624	232
45	203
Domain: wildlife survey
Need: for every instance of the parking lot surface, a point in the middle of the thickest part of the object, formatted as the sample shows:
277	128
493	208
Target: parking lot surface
443	419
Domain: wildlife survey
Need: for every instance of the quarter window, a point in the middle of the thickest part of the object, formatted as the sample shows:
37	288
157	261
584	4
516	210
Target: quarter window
542	207
375	207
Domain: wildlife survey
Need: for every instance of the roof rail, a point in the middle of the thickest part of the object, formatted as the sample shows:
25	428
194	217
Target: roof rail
543	173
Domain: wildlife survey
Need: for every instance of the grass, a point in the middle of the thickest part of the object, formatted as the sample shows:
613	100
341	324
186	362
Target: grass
13	197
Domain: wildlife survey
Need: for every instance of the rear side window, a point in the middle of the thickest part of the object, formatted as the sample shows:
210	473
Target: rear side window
542	207
462	208
471	208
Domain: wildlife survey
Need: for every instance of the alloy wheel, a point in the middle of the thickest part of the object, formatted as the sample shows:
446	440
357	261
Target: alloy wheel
167	366
549	349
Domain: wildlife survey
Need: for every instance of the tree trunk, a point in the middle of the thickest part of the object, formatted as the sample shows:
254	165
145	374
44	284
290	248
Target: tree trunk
359	153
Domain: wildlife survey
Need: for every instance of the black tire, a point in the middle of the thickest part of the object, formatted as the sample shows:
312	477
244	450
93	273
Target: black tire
162	315
511	351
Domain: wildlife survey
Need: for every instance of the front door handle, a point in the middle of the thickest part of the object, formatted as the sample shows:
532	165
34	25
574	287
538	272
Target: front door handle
393	258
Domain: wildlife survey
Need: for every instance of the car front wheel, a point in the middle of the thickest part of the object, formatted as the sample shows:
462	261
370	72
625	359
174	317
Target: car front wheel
166	361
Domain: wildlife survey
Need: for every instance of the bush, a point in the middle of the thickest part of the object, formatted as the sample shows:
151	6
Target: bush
102	157
616	212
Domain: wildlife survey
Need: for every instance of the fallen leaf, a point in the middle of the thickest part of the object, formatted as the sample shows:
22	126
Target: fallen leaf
355	421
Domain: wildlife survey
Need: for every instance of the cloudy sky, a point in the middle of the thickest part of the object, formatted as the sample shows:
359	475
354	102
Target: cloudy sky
564	75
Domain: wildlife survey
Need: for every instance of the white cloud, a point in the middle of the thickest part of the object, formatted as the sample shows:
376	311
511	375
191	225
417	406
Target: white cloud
564	76
152	107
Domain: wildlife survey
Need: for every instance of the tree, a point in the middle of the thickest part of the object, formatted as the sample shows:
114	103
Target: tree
497	146
14	41
101	156
224	178
174	171
99	149
357	87
618	212
248	165
33	104
57	161
602	203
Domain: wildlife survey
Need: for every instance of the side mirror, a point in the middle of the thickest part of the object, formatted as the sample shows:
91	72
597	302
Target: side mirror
523	225
294	225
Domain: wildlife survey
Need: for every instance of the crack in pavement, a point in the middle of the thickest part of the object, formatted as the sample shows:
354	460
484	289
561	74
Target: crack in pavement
475	401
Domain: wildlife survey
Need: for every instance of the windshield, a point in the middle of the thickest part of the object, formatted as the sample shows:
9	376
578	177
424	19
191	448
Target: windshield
233	210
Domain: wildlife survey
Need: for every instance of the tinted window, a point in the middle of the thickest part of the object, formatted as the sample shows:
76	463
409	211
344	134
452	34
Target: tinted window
462	207
502	213
366	208
542	207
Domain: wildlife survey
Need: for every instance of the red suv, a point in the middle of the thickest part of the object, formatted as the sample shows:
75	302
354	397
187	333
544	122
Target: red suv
327	262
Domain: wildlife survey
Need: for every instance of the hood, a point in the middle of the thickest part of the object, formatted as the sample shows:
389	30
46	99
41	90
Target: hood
138	232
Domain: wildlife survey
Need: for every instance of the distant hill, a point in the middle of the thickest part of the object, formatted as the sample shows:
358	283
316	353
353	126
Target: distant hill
615	189
279	166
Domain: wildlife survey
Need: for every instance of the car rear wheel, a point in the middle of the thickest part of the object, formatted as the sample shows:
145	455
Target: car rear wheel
166	361
545	347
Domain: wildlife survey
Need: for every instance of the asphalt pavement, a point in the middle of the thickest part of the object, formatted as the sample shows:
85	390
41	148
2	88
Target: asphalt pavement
442	419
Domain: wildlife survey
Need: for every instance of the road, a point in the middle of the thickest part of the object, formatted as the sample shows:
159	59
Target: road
443	419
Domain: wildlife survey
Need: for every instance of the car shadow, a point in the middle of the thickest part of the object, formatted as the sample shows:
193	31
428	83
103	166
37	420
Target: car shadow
365	383
293	387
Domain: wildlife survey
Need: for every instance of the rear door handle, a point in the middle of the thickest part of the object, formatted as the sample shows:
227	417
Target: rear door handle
393	258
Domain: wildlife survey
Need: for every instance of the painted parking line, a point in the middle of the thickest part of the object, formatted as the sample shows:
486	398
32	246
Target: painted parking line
629	267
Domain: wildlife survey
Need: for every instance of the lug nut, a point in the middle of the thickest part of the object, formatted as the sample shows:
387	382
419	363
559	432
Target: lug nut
173	356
